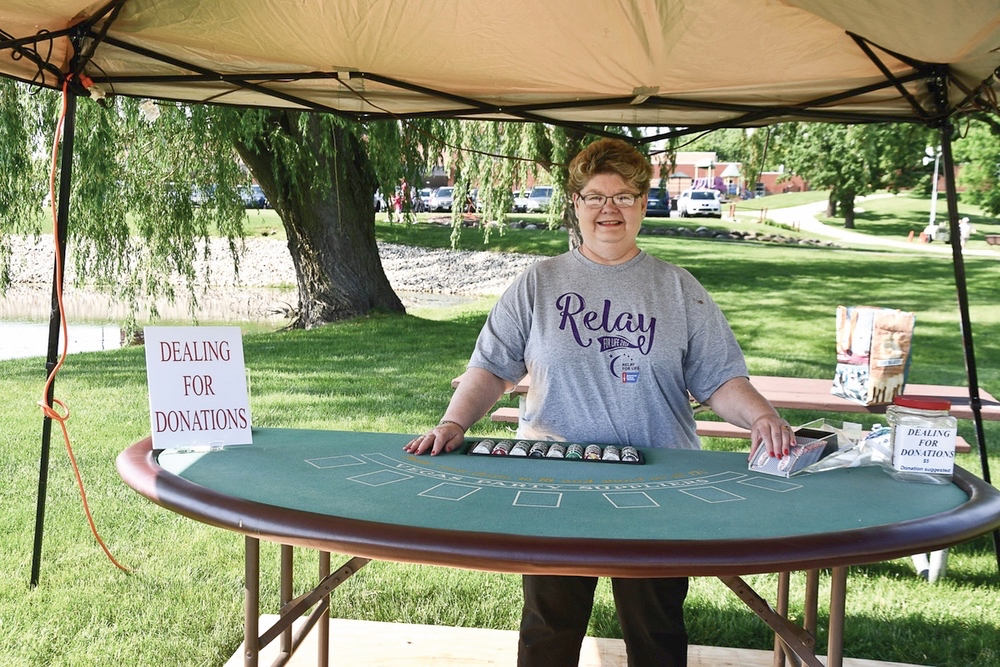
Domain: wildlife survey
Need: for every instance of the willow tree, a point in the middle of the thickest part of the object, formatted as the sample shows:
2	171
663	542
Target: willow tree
134	227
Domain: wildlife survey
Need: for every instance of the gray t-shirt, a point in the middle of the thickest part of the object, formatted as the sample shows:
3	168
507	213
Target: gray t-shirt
613	351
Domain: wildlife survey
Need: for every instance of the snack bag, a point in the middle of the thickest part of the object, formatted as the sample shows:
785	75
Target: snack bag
873	353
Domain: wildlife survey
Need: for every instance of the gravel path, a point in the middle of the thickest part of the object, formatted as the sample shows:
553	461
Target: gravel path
266	263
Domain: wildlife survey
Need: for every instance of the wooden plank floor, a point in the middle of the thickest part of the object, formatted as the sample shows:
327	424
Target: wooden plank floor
371	644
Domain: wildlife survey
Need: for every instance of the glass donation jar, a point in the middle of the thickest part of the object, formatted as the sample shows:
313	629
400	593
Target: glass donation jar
923	439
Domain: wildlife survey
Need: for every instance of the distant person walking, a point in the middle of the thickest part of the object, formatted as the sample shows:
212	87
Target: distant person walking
965	230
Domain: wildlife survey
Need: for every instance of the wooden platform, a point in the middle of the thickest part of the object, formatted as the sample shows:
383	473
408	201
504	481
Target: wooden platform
407	645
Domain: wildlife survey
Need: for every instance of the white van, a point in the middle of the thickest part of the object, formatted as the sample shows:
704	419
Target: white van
699	202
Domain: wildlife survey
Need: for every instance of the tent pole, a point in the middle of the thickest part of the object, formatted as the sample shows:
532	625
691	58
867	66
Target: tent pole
55	324
948	166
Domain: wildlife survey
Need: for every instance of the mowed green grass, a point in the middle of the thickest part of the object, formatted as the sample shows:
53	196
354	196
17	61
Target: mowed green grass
181	604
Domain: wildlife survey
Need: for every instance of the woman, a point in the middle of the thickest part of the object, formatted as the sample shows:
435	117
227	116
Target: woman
614	340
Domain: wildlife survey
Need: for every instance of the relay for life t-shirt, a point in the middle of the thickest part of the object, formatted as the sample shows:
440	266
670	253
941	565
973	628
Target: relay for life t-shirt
613	351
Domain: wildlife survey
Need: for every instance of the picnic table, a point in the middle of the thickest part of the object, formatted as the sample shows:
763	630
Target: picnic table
804	394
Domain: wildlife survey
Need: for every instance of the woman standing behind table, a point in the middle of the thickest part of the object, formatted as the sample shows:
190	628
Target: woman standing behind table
614	339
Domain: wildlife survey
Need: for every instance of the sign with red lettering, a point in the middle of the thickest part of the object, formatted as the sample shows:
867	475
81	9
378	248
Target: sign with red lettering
197	382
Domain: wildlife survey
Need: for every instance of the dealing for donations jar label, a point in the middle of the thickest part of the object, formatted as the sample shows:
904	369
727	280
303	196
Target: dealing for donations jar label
924	449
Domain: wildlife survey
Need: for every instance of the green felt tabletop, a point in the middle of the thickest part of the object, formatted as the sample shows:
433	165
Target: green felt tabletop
675	495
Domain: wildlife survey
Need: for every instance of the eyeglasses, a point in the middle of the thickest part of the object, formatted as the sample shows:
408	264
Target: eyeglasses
621	200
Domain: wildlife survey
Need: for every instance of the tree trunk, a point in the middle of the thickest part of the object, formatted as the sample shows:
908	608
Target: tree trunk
847	207
560	172
324	196
572	225
831	205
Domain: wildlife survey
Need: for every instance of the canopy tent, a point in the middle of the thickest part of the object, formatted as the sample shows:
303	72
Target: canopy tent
690	63
682	65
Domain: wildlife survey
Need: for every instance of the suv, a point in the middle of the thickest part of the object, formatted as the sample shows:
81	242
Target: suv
539	199
658	204
441	200
699	202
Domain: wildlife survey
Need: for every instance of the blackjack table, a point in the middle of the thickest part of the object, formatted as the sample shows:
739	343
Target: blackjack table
675	513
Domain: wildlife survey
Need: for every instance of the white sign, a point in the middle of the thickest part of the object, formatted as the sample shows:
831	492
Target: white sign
197	387
924	449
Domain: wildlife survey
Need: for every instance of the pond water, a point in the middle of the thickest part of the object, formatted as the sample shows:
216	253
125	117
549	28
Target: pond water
93	319
31	339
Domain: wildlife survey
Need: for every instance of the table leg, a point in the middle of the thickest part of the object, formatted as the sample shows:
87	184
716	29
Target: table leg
779	646
810	621
797	640
286	590
251	601
838	605
323	638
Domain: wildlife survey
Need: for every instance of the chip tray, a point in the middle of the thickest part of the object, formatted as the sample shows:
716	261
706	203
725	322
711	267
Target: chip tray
554	451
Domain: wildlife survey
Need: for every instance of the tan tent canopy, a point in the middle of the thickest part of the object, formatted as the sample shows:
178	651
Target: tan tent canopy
695	64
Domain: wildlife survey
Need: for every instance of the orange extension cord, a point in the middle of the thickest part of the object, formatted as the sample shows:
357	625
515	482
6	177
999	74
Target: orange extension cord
49	411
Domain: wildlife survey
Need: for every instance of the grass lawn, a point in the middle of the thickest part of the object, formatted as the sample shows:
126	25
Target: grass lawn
182	602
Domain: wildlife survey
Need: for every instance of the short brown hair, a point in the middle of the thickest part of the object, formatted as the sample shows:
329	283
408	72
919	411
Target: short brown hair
610	156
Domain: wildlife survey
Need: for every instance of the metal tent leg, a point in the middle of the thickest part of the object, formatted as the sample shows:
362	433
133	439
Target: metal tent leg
55	324
961	289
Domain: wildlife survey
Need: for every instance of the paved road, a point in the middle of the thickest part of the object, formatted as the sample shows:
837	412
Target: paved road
805	218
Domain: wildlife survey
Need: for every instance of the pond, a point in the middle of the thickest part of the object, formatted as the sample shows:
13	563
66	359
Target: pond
93	320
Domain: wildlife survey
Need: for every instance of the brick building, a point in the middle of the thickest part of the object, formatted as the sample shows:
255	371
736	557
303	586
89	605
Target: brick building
702	169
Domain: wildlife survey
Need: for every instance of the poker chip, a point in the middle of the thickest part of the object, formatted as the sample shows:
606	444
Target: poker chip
483	447
557	450
520	448
502	448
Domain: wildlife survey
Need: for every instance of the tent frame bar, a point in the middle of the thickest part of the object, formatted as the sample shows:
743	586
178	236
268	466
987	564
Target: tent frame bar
865	46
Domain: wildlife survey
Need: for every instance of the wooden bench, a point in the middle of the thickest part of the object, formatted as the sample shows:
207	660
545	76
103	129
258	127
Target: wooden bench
705	428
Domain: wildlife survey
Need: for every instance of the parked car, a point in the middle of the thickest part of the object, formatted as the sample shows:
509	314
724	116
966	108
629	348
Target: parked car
539	199
699	202
658	204
201	196
521	200
425	197
254	197
442	199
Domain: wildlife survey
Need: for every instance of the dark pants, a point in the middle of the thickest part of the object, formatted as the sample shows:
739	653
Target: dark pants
557	611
